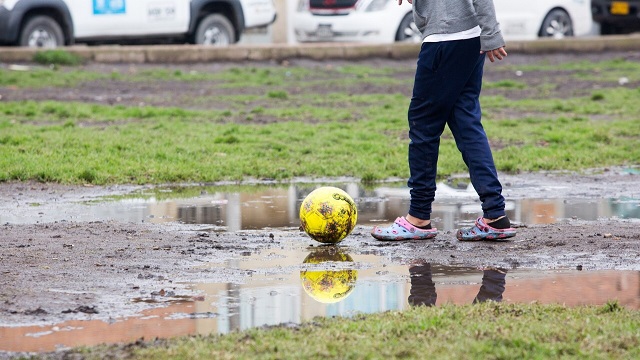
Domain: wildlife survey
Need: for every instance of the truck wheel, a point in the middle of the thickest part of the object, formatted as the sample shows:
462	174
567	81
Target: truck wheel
557	24
408	31
215	30
41	32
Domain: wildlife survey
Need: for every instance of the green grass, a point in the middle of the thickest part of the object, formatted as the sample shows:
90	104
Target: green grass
484	331
161	148
506	84
603	71
46	77
272	122
57	57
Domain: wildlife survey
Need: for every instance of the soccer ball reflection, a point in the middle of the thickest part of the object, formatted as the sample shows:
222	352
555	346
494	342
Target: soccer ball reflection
328	286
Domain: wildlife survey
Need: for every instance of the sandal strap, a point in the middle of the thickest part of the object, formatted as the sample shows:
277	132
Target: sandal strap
483	226
401	221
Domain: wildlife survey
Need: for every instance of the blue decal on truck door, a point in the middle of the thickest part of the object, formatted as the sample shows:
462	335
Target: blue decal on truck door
102	7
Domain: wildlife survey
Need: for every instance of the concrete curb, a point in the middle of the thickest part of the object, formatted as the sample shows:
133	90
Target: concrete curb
325	51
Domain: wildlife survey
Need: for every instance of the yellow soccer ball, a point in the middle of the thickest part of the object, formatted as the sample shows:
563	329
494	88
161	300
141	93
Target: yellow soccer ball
328	214
328	286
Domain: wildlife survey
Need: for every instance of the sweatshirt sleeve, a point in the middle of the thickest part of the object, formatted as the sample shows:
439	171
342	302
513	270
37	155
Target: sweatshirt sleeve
491	36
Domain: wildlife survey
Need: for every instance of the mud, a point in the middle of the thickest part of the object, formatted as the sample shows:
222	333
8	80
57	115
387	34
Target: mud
51	272
73	270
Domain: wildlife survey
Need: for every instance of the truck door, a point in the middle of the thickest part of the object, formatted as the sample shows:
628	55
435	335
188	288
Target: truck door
114	18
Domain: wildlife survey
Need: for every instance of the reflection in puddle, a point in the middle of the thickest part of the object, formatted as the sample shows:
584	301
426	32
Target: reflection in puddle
423	289
259	207
325	282
329	282
283	288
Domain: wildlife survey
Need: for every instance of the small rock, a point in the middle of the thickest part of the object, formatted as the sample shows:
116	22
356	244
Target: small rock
38	311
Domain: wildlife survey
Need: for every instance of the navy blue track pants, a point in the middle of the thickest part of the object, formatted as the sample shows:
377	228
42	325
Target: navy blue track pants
446	91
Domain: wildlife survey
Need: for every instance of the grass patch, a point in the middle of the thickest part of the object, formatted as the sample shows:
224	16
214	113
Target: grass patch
505	84
47	77
158	147
483	331
603	71
288	121
278	94
57	57
84	143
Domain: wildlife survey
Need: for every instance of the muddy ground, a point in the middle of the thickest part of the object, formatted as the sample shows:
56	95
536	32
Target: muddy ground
69	270
50	272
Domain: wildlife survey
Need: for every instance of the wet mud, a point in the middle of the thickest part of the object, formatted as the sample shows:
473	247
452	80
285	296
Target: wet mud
52	272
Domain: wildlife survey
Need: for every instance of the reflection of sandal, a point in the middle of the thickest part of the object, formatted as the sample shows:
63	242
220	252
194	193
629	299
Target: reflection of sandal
482	231
401	229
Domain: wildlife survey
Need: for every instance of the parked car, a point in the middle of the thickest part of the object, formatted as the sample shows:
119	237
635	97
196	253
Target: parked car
529	20
617	17
52	23
375	21
383	21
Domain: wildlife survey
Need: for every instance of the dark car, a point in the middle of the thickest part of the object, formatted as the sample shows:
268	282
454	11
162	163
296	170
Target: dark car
616	17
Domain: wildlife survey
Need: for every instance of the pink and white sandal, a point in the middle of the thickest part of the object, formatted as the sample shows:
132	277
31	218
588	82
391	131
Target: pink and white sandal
481	231
401	229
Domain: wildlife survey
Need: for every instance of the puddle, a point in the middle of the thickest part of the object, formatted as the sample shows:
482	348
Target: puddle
257	207
292	285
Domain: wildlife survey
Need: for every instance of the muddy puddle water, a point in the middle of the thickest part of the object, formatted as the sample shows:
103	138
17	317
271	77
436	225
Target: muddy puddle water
292	284
233	208
295	283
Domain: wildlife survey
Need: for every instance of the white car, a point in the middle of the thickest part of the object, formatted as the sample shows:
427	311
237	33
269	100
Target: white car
52	23
374	21
529	20
384	21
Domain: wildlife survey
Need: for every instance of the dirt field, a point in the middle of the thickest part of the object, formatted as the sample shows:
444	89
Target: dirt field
67	270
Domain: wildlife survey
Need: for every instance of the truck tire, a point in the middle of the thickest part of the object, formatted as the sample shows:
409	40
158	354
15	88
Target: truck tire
556	24
216	30
41	32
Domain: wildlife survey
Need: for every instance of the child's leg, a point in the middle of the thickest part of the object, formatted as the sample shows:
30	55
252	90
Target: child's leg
471	139
442	73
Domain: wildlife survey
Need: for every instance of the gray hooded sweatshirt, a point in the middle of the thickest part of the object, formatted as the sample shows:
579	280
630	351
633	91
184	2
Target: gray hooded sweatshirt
452	16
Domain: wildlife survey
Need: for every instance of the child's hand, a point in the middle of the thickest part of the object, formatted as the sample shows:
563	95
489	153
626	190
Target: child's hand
499	53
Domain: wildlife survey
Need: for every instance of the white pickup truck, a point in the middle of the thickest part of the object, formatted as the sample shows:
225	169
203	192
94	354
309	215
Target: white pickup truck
52	23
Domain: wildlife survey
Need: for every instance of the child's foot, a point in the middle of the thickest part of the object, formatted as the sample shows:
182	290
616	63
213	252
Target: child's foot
401	229
498	230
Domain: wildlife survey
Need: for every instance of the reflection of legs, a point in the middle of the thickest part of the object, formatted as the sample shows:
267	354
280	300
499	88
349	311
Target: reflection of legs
493	284
423	290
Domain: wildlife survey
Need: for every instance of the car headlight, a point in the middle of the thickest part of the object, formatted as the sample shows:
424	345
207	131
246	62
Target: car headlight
376	5
303	5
